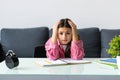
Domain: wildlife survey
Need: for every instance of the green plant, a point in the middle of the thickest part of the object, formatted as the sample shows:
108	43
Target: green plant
114	47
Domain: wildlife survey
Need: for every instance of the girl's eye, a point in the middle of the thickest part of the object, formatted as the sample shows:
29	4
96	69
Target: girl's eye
67	33
60	33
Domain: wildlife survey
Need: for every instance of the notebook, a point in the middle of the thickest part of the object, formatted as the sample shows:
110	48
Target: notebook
109	60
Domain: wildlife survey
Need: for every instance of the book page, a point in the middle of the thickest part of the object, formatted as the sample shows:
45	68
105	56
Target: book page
71	61
47	62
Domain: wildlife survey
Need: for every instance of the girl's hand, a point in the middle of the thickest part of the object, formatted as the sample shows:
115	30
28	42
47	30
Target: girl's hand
72	24
55	31
74	31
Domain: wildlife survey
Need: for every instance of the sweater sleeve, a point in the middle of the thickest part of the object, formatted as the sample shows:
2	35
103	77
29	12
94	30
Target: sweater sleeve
52	50
77	51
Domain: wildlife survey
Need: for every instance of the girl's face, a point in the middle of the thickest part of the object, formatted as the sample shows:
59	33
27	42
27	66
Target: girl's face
64	35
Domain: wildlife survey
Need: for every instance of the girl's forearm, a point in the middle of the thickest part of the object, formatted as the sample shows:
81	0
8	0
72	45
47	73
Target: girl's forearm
55	31
54	37
75	35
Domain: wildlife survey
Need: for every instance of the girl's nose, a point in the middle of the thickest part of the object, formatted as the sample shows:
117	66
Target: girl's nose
64	36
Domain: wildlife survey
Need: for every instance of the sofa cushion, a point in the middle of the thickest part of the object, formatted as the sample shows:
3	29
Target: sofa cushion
40	52
2	56
23	41
91	41
106	36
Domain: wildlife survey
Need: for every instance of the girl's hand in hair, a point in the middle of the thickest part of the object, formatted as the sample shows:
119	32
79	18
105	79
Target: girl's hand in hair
72	24
55	31
74	31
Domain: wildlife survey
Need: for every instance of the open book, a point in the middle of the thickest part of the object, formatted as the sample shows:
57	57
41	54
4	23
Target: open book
63	61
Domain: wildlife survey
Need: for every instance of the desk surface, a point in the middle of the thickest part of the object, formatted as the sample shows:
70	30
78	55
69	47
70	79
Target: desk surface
27	66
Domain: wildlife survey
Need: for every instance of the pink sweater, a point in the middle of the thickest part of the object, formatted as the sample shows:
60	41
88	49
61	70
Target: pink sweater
56	51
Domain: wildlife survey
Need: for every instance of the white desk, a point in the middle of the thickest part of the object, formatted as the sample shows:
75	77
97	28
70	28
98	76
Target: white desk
28	70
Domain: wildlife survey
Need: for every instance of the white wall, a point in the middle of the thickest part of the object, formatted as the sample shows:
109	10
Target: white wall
34	13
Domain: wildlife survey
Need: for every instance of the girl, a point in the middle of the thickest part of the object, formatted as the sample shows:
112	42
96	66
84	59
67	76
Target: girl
64	42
